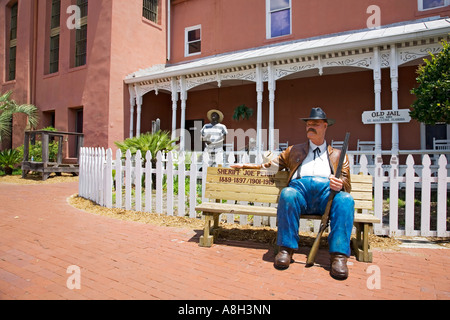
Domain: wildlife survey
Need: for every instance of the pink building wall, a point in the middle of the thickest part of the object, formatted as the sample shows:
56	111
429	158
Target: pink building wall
231	25
121	41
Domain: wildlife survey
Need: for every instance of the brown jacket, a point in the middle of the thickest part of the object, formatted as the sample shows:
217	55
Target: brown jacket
293	157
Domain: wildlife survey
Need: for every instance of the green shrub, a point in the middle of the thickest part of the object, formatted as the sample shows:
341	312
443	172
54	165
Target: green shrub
9	160
154	143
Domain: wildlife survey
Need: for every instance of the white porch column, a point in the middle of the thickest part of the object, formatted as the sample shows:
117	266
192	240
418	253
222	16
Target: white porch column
377	88
394	89
259	91
183	111
138	112
272	88
132	104
174	106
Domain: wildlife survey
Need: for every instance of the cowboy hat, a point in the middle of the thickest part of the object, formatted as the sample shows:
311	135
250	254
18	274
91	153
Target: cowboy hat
319	114
210	112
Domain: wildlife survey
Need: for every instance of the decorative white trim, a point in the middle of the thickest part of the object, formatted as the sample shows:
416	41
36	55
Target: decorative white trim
359	61
288	69
406	55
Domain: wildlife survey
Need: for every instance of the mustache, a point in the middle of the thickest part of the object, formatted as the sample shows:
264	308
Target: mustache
311	130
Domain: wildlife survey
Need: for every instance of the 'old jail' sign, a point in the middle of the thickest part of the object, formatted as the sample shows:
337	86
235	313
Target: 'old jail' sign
386	116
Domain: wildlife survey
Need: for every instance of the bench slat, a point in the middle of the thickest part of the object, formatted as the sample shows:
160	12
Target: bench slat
366	205
360	178
211	207
240	196
361	187
273	190
357	195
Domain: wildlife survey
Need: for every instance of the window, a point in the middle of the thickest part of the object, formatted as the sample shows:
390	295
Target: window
150	10
193	42
54	36
12	42
81	46
54	54
278	18
81	35
432	4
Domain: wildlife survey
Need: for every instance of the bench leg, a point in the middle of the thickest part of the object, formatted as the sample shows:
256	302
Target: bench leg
207	239
361	246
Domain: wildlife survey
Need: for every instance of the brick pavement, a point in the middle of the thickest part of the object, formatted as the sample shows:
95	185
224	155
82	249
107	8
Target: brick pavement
41	236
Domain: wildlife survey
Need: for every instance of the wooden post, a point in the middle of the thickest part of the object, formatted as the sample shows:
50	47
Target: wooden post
45	139
26	153
60	146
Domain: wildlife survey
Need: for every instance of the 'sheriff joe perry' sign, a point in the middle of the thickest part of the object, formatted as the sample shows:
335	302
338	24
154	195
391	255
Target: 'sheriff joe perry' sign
245	177
386	116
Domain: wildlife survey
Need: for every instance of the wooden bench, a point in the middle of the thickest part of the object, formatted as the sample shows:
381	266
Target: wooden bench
262	186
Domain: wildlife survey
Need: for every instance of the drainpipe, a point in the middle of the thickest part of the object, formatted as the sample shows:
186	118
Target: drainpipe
168	30
33	62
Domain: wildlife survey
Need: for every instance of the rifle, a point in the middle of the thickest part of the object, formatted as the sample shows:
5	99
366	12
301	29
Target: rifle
326	216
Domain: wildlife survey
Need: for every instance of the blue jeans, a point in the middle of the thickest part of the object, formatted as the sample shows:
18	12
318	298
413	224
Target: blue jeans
309	195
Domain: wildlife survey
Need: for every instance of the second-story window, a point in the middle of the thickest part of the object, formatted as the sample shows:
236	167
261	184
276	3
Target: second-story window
193	40
150	10
54	36
432	4
278	18
81	35
11	75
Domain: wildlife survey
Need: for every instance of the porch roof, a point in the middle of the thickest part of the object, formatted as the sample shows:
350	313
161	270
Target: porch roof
402	32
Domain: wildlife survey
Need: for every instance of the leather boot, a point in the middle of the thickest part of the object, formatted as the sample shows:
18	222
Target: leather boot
339	270
284	258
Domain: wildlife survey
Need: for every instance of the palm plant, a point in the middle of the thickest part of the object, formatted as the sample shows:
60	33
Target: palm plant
9	159
159	141
243	112
8	107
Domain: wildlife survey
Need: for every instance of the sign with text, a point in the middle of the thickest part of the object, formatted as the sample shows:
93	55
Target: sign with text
245	176
386	116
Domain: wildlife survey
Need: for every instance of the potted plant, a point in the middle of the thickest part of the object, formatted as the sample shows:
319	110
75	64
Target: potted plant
243	112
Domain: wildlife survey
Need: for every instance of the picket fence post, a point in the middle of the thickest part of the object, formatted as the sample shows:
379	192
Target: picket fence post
393	196
80	174
148	182
128	177
193	185
426	197
159	180
119	182
169	181
108	179
181	184
409	196
138	181
378	193
442	197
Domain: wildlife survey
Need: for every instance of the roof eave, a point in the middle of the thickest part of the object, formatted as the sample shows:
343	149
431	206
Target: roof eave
292	54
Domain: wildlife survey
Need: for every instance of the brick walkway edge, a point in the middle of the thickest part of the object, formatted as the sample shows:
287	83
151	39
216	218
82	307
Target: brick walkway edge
50	250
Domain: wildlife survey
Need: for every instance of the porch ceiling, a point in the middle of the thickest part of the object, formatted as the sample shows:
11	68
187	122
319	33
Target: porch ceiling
355	40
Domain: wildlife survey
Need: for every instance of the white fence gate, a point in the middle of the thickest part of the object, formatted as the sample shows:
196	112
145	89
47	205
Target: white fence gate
173	184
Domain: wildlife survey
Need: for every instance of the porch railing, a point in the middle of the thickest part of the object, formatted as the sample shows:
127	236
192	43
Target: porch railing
410	198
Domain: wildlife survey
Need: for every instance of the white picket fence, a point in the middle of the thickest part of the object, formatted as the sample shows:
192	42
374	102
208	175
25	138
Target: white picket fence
136	183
